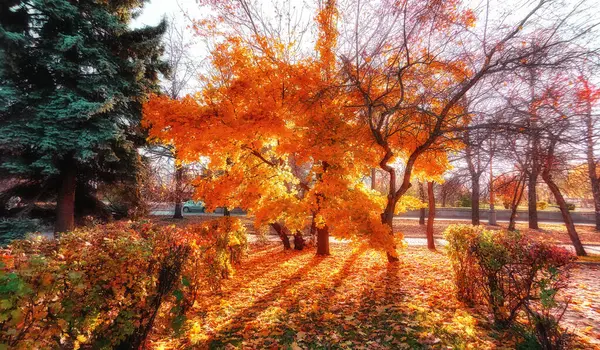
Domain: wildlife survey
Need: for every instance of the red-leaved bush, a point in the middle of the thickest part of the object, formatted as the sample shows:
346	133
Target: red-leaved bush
515	278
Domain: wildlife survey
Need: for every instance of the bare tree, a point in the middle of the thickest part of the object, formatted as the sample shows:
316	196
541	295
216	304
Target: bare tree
183	69
477	159
396	59
451	189
586	99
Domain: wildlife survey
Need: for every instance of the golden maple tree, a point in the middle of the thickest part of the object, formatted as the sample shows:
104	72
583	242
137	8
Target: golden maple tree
282	144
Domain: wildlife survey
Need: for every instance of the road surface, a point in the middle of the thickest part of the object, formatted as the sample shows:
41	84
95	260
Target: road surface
163	212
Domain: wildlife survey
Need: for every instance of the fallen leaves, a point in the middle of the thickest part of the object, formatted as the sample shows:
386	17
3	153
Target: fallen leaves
583	315
352	299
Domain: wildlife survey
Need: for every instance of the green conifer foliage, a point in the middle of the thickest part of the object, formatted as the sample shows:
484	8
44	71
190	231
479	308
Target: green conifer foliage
73	75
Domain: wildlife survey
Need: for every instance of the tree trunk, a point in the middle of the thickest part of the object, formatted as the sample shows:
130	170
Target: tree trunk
65	203
431	216
323	240
178	192
422	198
516	200
562	204
475	173
322	232
595	184
535	157
591	162
475	199
226	212
299	241
282	234
373	178
387	218
492	213
532	199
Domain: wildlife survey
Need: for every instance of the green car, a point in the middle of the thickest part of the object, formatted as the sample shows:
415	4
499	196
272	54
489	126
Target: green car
191	206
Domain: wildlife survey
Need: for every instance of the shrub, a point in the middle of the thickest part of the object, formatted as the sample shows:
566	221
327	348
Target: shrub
513	278
106	286
460	238
465	201
541	205
570	206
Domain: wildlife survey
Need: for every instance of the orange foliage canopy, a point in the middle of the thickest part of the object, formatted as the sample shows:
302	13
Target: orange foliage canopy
281	144
290	135
506	187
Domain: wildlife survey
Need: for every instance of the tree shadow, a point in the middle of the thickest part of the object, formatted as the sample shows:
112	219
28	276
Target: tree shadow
322	296
248	272
233	328
353	298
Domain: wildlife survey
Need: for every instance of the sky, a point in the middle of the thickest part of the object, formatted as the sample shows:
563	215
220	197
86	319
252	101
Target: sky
155	10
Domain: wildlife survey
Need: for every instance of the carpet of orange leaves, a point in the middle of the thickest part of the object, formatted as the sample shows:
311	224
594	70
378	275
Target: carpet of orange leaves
351	299
553	233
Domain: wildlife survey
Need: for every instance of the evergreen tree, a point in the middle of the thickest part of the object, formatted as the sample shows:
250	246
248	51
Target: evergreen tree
72	79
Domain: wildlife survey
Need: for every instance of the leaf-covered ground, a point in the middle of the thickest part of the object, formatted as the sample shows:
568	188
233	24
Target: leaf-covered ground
583	315
351	299
554	233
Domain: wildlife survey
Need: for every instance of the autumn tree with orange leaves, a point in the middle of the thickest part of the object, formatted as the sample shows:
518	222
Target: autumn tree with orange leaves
281	143
384	86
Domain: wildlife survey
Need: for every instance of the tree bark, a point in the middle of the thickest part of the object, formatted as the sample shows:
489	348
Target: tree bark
516	200
178	192
373	178
532	199
282	234
322	232
387	218
562	204
591	162
431	216
422	198
475	173
535	159
299	241
226	212
475	199
323	240
65	203
492	213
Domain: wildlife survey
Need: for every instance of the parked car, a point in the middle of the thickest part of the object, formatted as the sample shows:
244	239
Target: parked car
190	206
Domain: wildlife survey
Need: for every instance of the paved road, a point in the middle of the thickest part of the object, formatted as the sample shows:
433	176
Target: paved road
440	242
411	241
415	241
170	212
503	221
